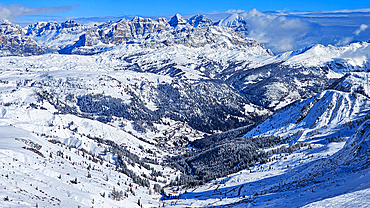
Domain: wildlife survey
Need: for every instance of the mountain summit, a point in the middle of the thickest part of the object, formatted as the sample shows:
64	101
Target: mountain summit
200	21
177	20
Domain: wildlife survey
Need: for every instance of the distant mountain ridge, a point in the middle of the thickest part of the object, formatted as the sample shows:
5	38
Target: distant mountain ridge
70	37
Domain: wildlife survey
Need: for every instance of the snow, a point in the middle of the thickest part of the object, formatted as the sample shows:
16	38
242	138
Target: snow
348	58
276	182
354	199
249	108
18	120
333	124
325	118
28	178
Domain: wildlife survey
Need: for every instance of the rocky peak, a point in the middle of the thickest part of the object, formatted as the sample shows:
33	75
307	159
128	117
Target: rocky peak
141	20
39	28
50	26
177	20
161	20
69	24
147	22
33	28
8	28
140	27
200	20
43	28
234	21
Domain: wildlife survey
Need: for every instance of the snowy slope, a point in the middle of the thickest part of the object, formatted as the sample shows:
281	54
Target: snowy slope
235	21
327	113
328	168
31	177
36	171
145	89
353	57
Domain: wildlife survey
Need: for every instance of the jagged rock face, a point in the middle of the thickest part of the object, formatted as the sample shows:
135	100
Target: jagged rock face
236	22
177	20
118	33
39	28
69	24
7	28
212	36
13	43
98	39
200	21
142	26
53	36
90	38
19	46
152	33
139	27
36	39
43	28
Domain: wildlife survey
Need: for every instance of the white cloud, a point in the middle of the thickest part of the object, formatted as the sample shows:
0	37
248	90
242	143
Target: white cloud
278	32
11	12
362	28
284	31
349	10
234	11
344	41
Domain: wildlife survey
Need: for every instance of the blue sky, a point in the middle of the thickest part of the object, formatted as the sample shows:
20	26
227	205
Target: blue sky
98	8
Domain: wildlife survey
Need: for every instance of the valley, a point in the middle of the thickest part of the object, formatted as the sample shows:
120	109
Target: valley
179	113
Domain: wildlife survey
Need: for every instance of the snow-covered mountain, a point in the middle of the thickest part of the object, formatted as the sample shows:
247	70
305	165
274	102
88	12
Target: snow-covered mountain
192	106
340	59
235	21
13	41
70	37
53	36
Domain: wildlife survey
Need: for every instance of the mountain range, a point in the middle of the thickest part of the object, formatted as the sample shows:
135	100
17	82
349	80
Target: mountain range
179	112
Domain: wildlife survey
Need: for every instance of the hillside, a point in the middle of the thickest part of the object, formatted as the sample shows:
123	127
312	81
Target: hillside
179	112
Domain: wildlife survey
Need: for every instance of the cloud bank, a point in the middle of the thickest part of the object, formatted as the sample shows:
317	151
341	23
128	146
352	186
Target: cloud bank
12	12
279	33
283	31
